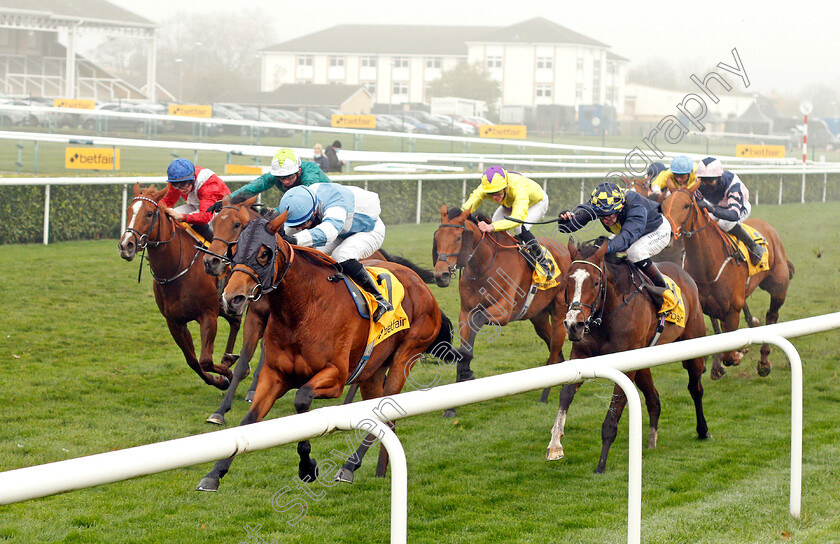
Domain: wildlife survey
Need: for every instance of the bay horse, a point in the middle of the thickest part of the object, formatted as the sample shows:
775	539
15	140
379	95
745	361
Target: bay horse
494	284
675	252
315	337
183	291
227	225
722	275
610	312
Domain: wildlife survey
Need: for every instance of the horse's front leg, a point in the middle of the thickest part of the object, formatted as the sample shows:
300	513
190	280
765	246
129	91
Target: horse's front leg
228	358
609	429
208	323
324	384
271	387
181	334
469	323
717	371
730	323
543	327
555	448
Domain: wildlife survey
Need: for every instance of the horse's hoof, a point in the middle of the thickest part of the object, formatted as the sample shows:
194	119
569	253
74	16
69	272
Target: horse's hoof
600	470
544	396
466	376
308	470
224	383
717	373
344	475
554	454
764	369
450	413
249	397
208	484
216	418
755	322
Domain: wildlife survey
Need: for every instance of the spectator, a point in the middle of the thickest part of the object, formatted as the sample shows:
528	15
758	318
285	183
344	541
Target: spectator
332	156
320	159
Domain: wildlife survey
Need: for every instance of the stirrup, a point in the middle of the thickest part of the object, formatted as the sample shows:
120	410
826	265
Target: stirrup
755	257
382	308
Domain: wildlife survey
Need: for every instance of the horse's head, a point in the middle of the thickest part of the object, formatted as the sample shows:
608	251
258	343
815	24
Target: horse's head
227	225
142	217
255	263
640	185
585	288
452	243
680	207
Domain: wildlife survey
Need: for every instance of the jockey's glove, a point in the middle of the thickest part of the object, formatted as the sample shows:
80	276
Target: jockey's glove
215	207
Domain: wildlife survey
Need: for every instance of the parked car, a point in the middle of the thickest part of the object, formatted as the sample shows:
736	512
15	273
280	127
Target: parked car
221	112
397	123
421	127
125	124
319	118
429	119
457	128
12	117
384	122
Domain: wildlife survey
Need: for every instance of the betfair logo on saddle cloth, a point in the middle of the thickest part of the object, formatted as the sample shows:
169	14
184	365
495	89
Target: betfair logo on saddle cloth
546	279
392	321
764	263
672	303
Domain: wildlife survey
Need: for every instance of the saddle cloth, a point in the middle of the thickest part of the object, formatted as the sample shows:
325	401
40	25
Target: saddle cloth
196	236
764	263
393	290
546	279
672	303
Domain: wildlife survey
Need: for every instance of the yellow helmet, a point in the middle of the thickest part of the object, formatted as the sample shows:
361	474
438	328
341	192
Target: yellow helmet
494	179
607	199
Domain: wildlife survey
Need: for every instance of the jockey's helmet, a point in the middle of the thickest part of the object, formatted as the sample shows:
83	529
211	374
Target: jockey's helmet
179	171
681	165
709	167
654	169
301	203
607	199
494	180
284	163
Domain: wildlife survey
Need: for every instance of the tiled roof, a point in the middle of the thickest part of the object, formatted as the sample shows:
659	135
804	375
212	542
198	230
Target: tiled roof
98	10
301	94
536	30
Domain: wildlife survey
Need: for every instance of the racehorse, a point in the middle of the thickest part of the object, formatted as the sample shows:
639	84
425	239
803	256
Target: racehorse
495	280
228	224
611	311
675	252
722	275
183	292
315	337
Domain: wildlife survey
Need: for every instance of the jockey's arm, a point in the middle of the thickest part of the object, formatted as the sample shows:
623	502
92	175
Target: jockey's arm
631	230
474	201
326	231
255	187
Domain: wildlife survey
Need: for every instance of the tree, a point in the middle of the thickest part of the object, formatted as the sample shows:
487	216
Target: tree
468	81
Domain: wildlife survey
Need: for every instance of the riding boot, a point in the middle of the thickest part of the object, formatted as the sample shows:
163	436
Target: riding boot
655	276
358	274
204	230
537	255
755	250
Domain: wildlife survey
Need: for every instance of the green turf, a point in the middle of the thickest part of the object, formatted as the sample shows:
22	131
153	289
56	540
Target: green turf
89	366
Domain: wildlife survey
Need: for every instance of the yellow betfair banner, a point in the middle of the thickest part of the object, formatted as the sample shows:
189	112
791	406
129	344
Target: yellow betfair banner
503	131
190	110
74	103
92	158
242	169
353	121
760	151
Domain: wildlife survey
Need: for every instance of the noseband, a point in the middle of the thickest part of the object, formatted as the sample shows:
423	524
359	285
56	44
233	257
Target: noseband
464	256
596	310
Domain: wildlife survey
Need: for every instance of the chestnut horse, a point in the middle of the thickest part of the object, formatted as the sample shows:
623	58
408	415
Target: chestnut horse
494	284
227	226
183	292
315	336
722	275
675	252
609	312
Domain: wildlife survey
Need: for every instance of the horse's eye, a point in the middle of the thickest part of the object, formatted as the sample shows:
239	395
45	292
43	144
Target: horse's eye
237	225
458	239
149	214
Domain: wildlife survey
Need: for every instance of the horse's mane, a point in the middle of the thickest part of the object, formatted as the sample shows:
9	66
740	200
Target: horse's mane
455	211
588	248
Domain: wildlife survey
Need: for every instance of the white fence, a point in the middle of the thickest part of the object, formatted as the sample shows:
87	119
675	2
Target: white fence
39	481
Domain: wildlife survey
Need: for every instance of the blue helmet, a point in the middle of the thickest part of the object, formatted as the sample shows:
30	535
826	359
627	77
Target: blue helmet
681	165
607	199
180	170
301	203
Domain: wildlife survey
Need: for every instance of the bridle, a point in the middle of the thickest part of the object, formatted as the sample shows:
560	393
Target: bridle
228	253
596	310
680	230
143	239
257	291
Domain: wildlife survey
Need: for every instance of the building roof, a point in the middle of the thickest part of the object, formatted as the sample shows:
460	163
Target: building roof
301	94
96	11
386	40
536	30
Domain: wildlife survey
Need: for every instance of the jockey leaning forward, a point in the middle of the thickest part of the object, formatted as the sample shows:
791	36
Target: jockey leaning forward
681	173
200	188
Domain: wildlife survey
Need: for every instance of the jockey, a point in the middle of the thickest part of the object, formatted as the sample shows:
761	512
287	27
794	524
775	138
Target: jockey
286	171
636	224
342	222
681	173
727	199
200	188
520	198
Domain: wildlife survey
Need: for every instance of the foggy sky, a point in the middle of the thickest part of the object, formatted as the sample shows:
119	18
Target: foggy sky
784	46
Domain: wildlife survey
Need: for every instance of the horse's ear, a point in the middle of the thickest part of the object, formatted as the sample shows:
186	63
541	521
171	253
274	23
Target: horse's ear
226	200
694	186
277	223
443	214
251	201
602	251
160	194
669	182
464	215
137	189
573	251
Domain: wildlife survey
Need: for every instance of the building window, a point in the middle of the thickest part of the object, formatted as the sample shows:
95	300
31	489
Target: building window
596	82
579	93
368	62
433	62
545	63
494	62
400	62
400	88
304	60
580	65
371	87
544	91
337	61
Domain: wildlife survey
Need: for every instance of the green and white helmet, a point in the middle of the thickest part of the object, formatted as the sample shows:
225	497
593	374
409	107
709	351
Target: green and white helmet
285	163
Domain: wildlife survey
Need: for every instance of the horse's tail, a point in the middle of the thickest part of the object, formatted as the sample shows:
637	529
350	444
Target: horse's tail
791	269
425	274
441	346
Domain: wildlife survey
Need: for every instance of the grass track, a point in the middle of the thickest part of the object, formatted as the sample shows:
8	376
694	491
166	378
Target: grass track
88	366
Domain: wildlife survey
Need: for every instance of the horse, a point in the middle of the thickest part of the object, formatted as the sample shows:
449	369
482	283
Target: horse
675	252
494	284
610	312
722	275
183	292
227	225
315	337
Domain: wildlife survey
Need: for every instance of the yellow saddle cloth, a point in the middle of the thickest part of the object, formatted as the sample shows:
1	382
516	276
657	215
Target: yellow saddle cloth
764	263
672	303
546	279
392	289
196	236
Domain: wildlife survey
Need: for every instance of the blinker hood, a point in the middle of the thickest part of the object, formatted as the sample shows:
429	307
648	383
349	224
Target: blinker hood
254	236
